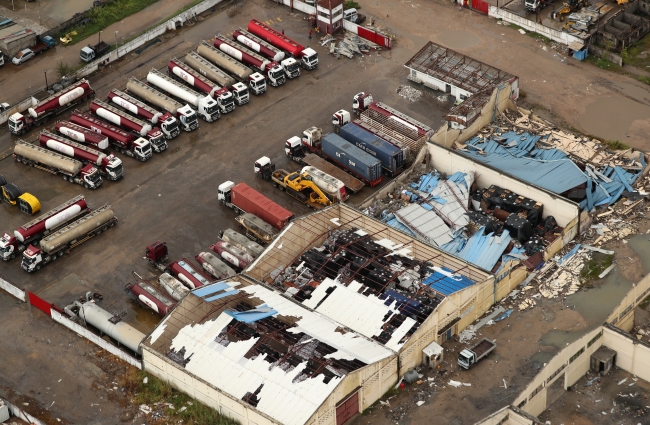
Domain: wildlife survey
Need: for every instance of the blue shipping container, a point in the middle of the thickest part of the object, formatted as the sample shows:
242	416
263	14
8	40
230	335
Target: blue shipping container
352	158
391	157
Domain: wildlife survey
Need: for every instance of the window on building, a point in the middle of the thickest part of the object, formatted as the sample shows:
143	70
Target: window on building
324	14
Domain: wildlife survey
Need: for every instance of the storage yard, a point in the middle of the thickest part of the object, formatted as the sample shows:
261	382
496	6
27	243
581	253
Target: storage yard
291	227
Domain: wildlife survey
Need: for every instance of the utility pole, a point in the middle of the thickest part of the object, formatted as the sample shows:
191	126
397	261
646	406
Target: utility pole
117	52
47	87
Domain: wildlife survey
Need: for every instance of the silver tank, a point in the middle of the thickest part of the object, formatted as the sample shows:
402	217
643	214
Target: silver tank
153	96
49	158
328	184
215	266
207	69
123	333
256	225
173	286
242	242
224	61
76	229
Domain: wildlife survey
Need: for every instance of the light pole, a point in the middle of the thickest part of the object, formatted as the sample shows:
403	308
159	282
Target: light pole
117	52
100	37
47	87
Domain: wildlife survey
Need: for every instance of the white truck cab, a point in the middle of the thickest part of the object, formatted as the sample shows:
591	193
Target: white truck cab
188	118
208	109
226	100
361	101
276	76
224	190
32	259
309	58
312	137
340	118
169	127
8	247
240	92
17	124
142	149
291	68
264	168
257	83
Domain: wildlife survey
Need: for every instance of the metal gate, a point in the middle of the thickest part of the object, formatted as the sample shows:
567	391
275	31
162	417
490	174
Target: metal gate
40	303
479	6
347	408
375	37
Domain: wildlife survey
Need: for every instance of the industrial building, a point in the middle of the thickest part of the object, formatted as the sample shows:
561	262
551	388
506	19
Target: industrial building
378	281
446	70
260	358
329	16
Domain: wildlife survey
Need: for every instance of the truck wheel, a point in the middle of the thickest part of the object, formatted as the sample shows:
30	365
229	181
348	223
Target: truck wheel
12	256
86	185
275	184
112	224
38	267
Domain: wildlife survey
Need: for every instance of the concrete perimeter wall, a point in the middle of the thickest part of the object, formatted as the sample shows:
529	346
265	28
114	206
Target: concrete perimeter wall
559	36
94	338
623	315
12	290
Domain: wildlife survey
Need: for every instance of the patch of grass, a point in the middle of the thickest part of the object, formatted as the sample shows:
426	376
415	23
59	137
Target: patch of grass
108	14
158	391
616	145
522	94
594	267
515	27
351	4
539	37
638	54
604	64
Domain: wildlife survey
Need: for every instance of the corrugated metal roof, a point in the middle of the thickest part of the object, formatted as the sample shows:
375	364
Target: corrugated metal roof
425	223
481	249
446	282
285	395
365	314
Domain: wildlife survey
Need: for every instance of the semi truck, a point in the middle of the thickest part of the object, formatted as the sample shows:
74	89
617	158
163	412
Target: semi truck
173	286
70	169
206	107
185	114
244	199
135	125
294	150
222	95
123	141
364	102
109	166
257	44
391	156
82	134
214	266
32	231
167	122
307	56
256	81
300	187
271	69
151	297
242	242
233	255
63	240
470	356
337	150
188	273
331	186
257	229
213	73
51	105
289	65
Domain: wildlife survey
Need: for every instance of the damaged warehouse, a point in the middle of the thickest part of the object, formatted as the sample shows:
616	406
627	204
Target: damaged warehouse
377	281
260	358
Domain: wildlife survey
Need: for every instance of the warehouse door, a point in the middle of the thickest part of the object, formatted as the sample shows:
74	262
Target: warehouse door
347	408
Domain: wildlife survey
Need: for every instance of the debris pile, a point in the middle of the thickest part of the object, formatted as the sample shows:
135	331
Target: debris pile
581	169
409	93
349	45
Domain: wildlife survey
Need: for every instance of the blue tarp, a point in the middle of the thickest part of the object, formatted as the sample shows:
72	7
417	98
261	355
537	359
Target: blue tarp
480	249
250	316
550	169
446	284
406	307
210	289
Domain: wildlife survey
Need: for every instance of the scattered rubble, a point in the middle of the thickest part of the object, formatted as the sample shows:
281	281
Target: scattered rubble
348	45
409	93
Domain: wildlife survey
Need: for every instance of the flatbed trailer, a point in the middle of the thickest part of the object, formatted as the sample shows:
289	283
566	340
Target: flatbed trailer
350	182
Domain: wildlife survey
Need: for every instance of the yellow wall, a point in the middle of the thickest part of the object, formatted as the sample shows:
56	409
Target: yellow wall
631	355
623	314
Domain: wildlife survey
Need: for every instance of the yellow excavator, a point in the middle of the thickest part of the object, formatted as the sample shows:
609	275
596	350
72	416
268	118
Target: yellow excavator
11	194
301	187
568	7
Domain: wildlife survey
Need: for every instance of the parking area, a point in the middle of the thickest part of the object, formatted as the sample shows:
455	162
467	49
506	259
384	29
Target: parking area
173	196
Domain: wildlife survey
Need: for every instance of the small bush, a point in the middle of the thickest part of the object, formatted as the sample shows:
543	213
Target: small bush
63	69
522	94
351	4
616	145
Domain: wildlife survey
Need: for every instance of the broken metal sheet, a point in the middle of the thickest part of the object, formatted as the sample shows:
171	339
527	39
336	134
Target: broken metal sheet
424	223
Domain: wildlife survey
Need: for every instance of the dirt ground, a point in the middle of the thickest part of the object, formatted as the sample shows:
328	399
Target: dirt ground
616	398
173	197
